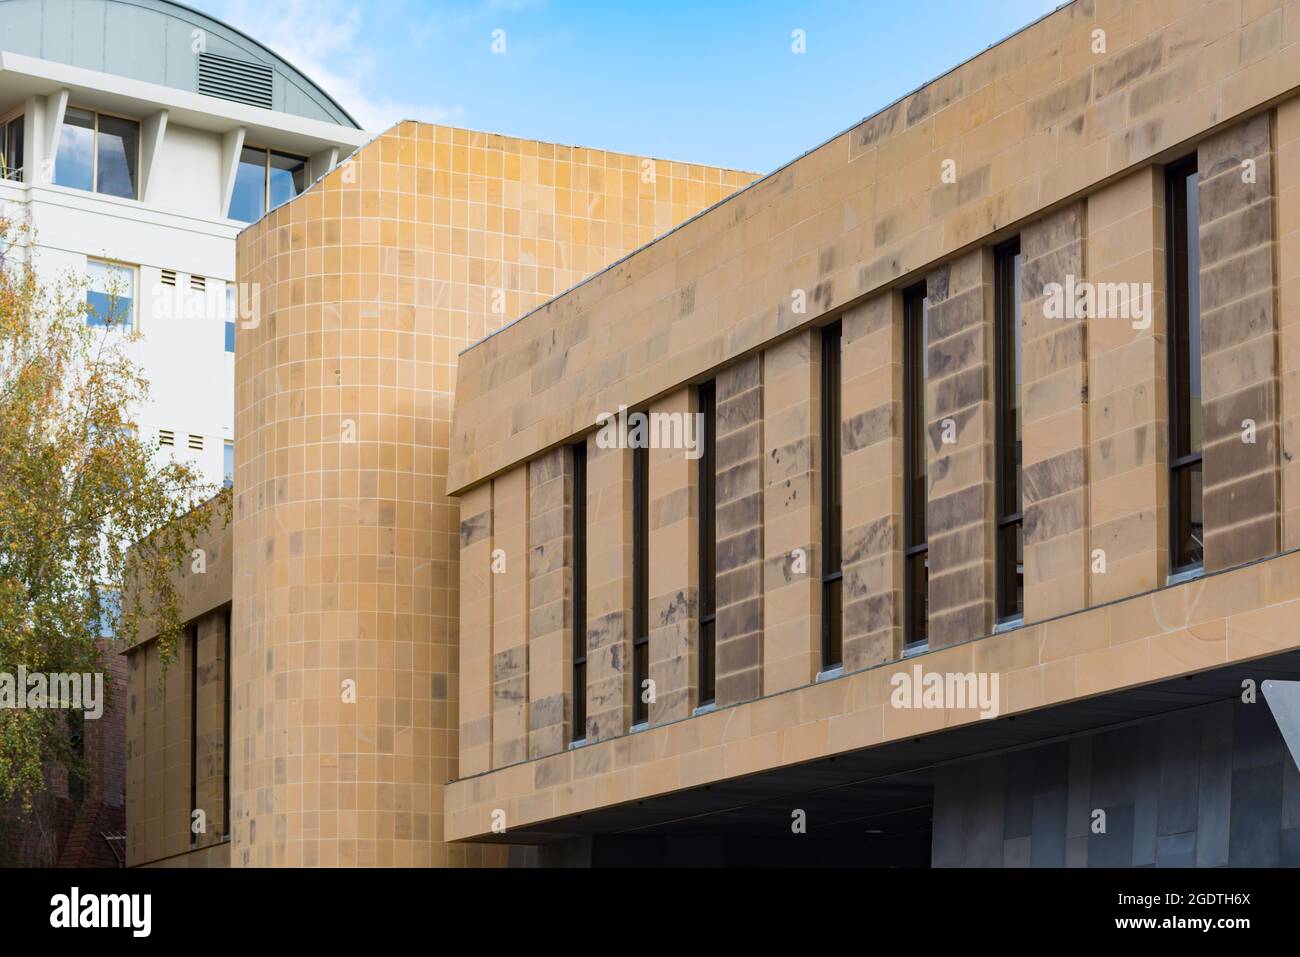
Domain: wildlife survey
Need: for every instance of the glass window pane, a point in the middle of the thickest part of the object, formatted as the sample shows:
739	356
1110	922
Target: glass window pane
11	150
228	465
119	156
1011	576
918	598
641	669
74	166
110	295
832	482
1018	488
580	701
915	412
832	624
1188	518
1020	568
1193	312
248	201
288	178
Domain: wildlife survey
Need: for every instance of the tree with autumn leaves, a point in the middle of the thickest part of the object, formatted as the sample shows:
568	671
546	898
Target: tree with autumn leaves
88	510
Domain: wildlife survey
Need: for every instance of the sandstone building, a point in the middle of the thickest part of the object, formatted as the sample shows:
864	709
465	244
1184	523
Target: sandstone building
990	532
340	563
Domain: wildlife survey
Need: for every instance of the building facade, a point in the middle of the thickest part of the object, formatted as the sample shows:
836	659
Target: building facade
321	654
961	526
933	501
137	138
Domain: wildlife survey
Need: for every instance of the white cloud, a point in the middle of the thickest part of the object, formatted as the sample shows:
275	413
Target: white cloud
322	39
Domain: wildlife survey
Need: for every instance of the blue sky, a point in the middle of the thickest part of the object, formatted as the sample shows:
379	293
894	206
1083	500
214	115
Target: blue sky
707	82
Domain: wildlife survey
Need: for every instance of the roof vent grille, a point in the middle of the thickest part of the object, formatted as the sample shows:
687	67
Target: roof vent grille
236	80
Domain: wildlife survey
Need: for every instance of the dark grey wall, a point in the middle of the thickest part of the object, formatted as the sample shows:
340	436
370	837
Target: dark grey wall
1211	787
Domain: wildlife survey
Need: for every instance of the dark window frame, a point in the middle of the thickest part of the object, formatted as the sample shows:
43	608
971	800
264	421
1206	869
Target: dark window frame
579	590
1009	545
1182	458
832	571
707	400
192	632
13	136
640	581
225	731
916	546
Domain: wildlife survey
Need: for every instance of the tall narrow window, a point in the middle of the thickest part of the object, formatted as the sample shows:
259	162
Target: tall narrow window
1010	543
11	150
579	591
832	573
193	634
225	733
916	553
1185	516
708	397
640	581
248	199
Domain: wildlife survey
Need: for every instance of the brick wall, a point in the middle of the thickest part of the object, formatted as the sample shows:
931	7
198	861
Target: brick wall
475	632
1239	343
1128	470
674	572
609	590
791	513
1288	259
510	618
550	602
959	510
1054	404
872	447
739	482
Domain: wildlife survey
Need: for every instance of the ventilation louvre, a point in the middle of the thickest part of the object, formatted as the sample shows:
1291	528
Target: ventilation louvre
169	277
166	437
198	284
196	442
237	80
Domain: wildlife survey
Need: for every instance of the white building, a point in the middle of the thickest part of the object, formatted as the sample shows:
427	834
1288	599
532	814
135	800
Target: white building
137	137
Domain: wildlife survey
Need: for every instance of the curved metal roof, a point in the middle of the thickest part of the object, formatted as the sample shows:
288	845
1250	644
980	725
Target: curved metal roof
153	41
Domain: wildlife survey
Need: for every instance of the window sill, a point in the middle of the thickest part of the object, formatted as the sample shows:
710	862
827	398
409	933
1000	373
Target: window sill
581	742
920	648
1186	575
1010	624
830	673
705	708
643	726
